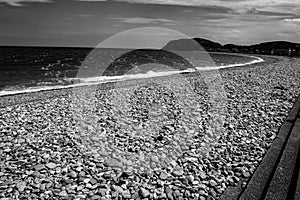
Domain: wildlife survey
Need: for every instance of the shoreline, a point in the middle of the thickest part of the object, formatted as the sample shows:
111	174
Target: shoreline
104	80
21	98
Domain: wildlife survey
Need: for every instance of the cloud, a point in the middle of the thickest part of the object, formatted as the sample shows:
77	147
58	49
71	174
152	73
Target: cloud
295	20
289	27
254	11
92	0
20	2
85	15
242	6
287	35
170	2
291	24
227	3
141	20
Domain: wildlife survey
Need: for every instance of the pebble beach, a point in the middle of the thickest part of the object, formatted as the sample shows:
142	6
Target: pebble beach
188	136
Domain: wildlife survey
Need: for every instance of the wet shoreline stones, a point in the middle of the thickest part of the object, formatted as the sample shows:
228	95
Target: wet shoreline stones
43	155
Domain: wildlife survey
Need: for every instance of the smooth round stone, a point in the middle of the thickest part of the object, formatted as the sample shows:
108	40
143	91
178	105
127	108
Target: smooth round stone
113	163
178	172
51	165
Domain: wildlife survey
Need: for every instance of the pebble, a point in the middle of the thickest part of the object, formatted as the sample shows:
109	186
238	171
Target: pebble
173	163
202	175
114	163
244	184
93	181
246	174
144	193
81	196
118	189
163	175
202	197
86	180
21	186
155	159
170	196
178	172
126	194
46	156
213	183
39	167
51	165
195	182
42	187
63	194
73	174
95	197
202	186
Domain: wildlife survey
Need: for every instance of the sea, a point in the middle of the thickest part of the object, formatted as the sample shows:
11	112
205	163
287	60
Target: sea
31	69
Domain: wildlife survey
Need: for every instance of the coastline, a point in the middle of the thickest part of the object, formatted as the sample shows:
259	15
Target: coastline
103	80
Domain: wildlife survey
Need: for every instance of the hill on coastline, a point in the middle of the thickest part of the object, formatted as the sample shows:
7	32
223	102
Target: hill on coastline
282	48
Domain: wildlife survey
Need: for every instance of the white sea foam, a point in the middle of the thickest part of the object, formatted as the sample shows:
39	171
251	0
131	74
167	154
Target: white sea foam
149	74
257	60
107	79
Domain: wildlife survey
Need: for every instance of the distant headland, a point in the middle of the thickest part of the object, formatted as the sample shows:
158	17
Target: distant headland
280	48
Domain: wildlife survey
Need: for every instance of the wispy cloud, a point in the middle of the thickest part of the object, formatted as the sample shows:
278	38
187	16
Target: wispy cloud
92	0
242	6
141	20
291	24
295	20
21	2
85	15
255	11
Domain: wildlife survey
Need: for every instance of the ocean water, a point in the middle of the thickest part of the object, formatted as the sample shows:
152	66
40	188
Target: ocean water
27	69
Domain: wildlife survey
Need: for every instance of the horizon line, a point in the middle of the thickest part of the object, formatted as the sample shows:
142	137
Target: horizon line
93	47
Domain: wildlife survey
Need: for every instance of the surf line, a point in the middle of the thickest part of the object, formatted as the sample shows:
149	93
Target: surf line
106	79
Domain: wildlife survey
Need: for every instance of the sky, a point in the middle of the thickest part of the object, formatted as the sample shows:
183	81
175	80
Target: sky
89	22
